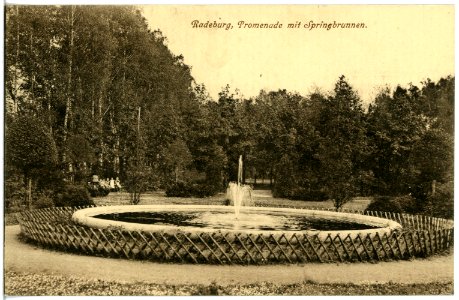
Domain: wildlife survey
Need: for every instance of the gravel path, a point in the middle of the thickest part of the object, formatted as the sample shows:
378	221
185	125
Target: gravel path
21	257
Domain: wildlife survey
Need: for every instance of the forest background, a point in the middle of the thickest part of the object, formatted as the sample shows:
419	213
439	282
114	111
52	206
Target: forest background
92	90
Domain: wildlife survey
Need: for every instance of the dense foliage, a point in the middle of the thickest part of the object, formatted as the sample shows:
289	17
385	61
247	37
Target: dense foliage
114	101
393	204
73	195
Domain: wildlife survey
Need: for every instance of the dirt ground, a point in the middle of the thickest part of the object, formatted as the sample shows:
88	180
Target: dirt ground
21	257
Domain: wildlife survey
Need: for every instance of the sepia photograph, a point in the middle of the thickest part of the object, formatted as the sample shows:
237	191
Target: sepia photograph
228	149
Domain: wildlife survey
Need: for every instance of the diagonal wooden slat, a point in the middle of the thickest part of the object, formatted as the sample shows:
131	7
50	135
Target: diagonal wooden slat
291	247
169	246
388	240
323	247
355	250
362	244
270	250
246	251
408	245
368	237
159	245
181	244
197	248
276	243
231	246
337	236
313	248
209	248
258	250
332	242
380	244
308	257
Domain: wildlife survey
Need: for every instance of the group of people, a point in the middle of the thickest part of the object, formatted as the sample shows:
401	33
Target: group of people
108	184
113	184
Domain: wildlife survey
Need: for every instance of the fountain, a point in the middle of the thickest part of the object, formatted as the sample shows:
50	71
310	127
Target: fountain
218	219
254	220
242	233
213	227
239	194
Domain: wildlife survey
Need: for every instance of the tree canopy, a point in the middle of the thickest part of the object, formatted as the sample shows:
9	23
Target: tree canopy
94	90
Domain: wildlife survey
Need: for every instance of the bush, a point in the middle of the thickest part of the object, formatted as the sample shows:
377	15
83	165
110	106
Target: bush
399	204
74	195
441	205
51	179
285	185
204	190
96	189
15	192
299	193
305	195
44	200
178	189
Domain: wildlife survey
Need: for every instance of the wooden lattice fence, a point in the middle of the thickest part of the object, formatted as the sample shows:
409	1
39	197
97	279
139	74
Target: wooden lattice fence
421	237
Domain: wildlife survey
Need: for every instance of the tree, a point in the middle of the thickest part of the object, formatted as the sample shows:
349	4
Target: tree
177	158
30	148
395	127
136	182
342	143
121	66
80	154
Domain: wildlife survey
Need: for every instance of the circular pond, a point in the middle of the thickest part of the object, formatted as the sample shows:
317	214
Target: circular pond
193	218
213	235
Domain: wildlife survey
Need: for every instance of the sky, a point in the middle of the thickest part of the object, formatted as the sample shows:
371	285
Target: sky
398	44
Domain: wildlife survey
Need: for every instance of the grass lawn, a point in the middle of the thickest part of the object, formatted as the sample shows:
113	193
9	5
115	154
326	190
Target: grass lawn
260	197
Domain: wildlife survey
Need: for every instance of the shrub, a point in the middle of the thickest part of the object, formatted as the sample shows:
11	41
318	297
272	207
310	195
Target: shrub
43	200
137	179
74	195
50	180
299	193
30	148
407	203
285	184
308	195
15	191
96	189
179	189
206	189
393	204
441	204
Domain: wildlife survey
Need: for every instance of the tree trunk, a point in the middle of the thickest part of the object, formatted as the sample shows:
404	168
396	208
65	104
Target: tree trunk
93	101
138	126
32	94
15	79
116	144
29	192
244	168
101	132
68	105
271	177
